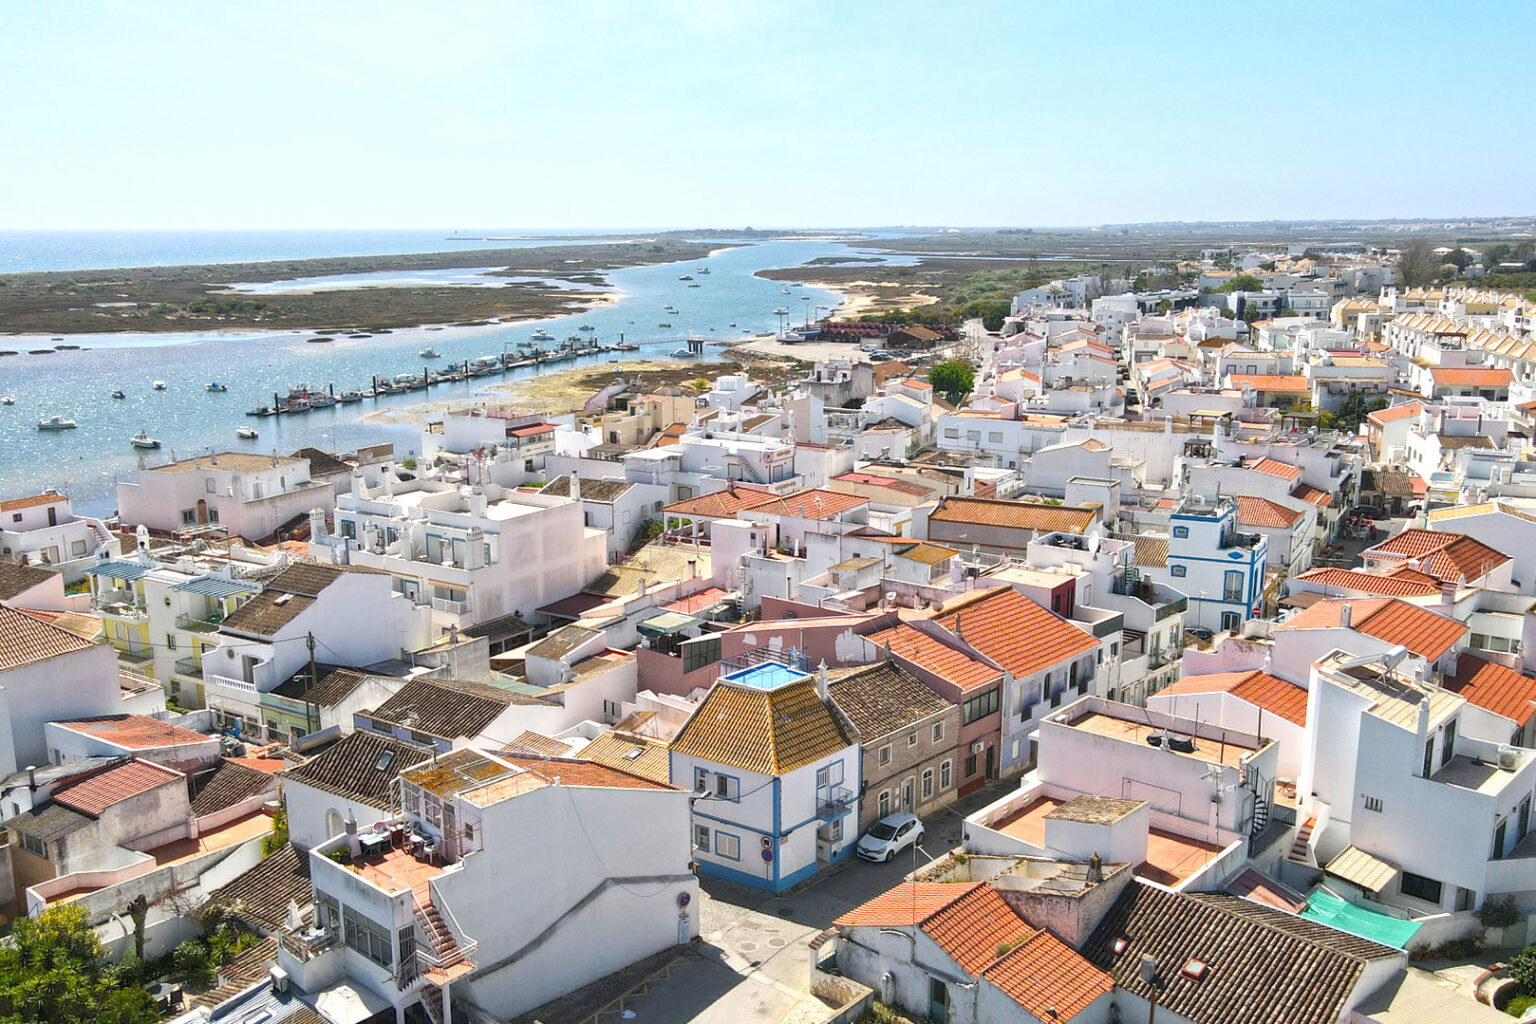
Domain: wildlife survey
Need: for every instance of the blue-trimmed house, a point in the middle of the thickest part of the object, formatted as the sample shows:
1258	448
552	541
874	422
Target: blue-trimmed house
774	768
1220	568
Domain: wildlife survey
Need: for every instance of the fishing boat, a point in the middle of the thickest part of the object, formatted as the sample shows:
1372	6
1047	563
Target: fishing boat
115	394
685	277
785	290
216	386
781	311
731	324
262	410
56	423
321	400
8	400
245	433
159	385
694	285
429	353
143	440
348	397
540	334
703	270
682	353
587	328
663	324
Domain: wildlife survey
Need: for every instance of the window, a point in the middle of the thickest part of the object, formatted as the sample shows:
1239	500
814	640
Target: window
885	754
727	787
77	548
170	641
188	517
208	486
33	845
970	766
16	517
727	845
367	938
912	738
700	653
831	832
611	710
1232	590
1449	748
831	775
884	802
701	837
327	910
944	775
1499	835
1373	803
1420	888
1177	570
980	706
1429	757
938	731
927	783
701	780
1230	621
1181	532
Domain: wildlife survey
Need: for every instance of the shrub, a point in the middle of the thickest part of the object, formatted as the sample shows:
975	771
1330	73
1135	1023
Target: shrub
1498	912
1522	967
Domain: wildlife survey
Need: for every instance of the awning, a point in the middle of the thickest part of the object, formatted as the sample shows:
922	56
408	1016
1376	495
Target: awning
121	571
668	624
1357	867
1326	908
1305	599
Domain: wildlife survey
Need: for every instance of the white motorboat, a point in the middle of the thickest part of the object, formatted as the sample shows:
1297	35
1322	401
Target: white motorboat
245	433
56	423
159	385
682	353
429	353
541	335
143	440
7	400
212	385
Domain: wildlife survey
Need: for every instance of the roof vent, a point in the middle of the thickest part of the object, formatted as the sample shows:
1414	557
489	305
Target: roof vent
1194	969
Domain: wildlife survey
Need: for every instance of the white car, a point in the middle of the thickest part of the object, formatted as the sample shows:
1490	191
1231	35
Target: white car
889	836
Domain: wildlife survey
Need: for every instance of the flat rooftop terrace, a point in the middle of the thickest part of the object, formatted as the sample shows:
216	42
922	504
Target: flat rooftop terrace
1210	751
396	871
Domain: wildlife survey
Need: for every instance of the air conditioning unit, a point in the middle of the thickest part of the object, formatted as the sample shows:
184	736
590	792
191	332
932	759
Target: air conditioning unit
1509	757
978	746
279	980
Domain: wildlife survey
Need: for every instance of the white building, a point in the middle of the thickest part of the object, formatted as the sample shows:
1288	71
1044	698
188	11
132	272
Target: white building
1220	568
48	674
42	529
240	494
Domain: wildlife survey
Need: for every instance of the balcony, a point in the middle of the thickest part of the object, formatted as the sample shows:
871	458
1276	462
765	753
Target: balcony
120	604
310	943
135	657
192	667
449	607
231	684
195	625
832	802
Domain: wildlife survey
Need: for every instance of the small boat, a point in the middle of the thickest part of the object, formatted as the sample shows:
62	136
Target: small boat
663	324
320	339
586	327
245	433
56	423
785	291
321	400
542	335
686	277
159	385
7	400
703	270
118	393
781	311
731	324
429	353
348	397
746	330
682	353
215	386
143	440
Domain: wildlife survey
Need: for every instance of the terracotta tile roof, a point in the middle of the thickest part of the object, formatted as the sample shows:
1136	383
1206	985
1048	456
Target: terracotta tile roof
1440	515
351	767
813	503
933	655
336	684
1471	377
642	755
884	698
1370	582
229	784
719	505
26	641
1389	620
765	731
1017	515
309	578
533	743
905	905
1271	382
704	599
16	578
1322	499
81	624
1259	970
263	892
1274	467
1493	687
240	974
1398	412
972	928
1255	511
1451	557
573	771
98	792
1253	686
136	732
1049	978
448	708
31	501
1151	551
591	490
1014	631
267	612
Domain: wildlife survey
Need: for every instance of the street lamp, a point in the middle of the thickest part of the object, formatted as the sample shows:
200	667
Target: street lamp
807	300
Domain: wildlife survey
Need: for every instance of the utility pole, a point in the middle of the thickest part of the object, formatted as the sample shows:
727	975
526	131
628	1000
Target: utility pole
309	683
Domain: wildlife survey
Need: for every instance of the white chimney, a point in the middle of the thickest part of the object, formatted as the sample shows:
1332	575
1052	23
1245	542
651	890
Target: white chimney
1447	595
317	530
821	679
575	487
1344	616
477	502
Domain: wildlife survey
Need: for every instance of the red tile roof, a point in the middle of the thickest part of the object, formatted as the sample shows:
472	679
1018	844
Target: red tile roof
1253	686
1389	620
812	503
1322	499
706	598
1397	412
972	928
1274	467
1370	582
904	905
532	430
720	505
1471	377
909	642
1450	557
136	732
26	641
1271	382
97	793
1018	515
31	501
1493	687
1255	511
1049	978
1014	631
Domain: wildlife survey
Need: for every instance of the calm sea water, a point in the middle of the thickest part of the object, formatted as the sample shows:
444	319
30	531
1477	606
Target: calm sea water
88	461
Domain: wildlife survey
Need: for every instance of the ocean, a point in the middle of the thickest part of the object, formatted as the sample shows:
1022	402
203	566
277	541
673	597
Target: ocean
88	462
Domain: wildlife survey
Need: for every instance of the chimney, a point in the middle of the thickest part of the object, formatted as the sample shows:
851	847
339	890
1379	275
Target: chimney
821	679
1344	615
575	487
32	777
959	632
1423	723
1447	595
477	502
354	847
1095	869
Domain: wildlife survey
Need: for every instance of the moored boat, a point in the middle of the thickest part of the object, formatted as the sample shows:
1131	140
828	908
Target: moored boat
214	385
143	440
159	385
245	433
56	423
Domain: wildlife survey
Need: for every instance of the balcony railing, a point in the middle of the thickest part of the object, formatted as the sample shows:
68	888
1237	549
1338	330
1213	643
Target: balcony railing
832	801
196	625
133	657
230	683
451	607
1167	608
189	667
307	945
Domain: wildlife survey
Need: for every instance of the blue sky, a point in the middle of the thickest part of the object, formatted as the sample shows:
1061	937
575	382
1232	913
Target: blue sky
142	114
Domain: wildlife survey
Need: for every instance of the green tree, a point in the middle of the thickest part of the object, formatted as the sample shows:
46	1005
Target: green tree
54	971
1417	264
954	379
277	838
1243	283
1522	967
1354	408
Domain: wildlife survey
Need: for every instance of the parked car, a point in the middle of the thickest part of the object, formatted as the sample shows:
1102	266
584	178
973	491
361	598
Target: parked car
889	836
1369	511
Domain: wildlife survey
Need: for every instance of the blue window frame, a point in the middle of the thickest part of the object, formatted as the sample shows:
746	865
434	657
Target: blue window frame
1177	570
1181	532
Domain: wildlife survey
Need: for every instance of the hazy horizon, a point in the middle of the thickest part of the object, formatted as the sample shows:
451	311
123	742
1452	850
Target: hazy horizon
349	116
